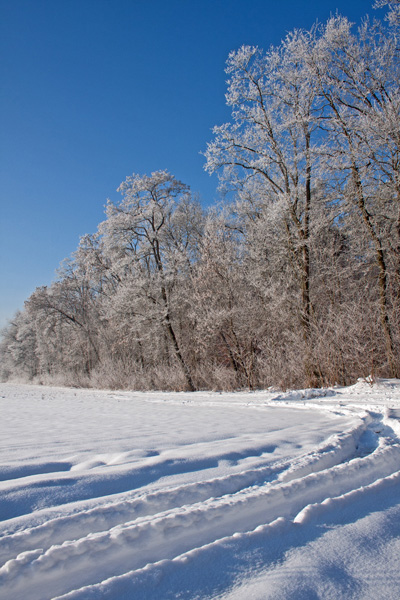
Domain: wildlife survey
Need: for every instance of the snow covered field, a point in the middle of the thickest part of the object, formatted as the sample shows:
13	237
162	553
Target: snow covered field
155	496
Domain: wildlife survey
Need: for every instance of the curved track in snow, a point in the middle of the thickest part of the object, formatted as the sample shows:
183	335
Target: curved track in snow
121	513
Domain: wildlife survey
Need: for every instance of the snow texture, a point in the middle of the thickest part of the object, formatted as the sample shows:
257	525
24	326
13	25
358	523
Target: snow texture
157	496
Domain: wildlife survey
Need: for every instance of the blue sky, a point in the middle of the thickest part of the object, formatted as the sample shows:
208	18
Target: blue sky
95	90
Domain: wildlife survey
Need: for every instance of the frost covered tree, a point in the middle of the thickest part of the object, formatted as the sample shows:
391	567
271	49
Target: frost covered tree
358	79
18	349
393	15
68	328
150	238
293	281
272	142
313	154
223	307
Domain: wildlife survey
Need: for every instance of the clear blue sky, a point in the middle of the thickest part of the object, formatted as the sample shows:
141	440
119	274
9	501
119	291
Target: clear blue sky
95	90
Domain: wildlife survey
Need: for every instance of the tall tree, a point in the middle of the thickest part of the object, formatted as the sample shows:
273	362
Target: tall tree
145	237
272	138
357	78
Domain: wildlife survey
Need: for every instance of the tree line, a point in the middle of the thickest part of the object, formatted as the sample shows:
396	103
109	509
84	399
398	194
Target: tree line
292	281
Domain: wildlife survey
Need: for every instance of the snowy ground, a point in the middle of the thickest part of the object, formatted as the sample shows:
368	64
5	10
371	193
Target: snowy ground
123	495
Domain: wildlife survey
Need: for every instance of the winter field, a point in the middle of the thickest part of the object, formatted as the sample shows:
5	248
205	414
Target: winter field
156	496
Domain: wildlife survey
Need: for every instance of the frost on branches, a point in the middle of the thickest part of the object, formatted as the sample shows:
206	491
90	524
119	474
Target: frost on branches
293	282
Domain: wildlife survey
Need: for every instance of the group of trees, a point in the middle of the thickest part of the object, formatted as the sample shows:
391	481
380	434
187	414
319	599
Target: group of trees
293	281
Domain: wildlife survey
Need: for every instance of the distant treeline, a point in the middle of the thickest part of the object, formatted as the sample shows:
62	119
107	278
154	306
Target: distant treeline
294	280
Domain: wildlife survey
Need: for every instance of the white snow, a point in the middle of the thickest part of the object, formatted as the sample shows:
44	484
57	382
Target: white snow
156	496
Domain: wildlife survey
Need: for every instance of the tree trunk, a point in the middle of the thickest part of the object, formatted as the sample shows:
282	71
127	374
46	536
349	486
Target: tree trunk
382	278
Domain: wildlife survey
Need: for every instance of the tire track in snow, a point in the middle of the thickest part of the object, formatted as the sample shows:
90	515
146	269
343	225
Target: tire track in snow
184	565
336	449
84	480
115	551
